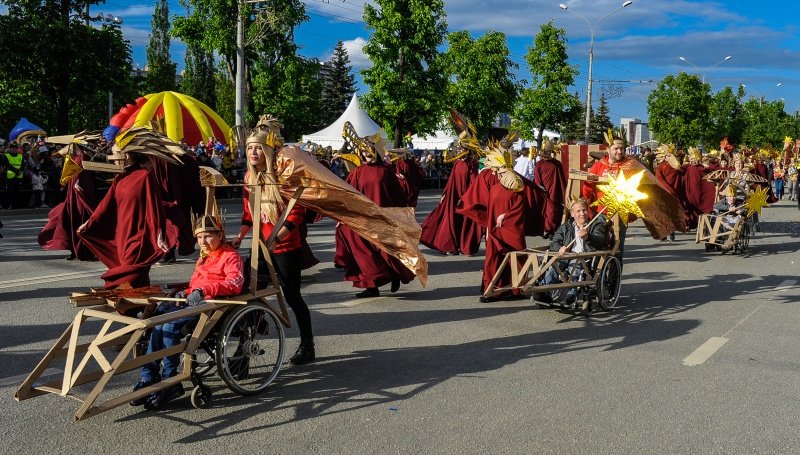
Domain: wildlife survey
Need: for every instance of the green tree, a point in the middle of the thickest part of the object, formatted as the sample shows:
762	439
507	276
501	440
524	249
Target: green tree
269	38
407	77
198	79
547	103
766	123
293	92
601	122
726	116
225	101
160	67
338	86
482	84
53	63
679	109
572	130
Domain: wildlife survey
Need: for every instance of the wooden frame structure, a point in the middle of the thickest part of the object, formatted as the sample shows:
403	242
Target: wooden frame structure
528	267
714	232
124	332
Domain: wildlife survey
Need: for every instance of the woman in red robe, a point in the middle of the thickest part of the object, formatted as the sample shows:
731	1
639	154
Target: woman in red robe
411	178
128	229
444	229
700	195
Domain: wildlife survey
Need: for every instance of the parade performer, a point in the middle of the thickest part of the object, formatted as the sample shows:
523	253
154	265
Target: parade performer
80	201
410	175
128	230
444	229
549	175
663	212
219	272
366	266
286	254
670	175
700	193
505	217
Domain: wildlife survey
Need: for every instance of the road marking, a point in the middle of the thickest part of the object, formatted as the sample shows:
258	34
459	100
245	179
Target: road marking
705	351
710	347
21	377
50	278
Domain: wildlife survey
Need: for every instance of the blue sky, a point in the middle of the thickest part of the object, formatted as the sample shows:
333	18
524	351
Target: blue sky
641	42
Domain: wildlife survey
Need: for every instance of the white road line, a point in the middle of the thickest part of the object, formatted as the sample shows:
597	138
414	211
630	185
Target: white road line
12	380
710	347
51	278
705	351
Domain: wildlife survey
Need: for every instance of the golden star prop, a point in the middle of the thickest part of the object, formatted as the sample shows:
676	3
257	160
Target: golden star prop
620	196
756	201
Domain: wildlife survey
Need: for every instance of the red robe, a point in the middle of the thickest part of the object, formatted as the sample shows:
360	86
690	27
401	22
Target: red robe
65	218
761	170
445	230
365	265
123	230
509	237
475	201
549	175
182	194
700	195
411	178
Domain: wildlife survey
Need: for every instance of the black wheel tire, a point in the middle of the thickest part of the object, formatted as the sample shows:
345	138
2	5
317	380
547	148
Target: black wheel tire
250	348
200	397
609	284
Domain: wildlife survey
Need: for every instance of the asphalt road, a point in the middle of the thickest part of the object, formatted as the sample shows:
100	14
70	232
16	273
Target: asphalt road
435	371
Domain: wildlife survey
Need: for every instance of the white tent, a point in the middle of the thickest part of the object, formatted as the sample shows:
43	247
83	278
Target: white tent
332	135
439	140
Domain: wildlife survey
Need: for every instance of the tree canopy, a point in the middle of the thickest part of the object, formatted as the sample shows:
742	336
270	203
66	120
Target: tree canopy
161	70
547	102
338	86
679	109
407	77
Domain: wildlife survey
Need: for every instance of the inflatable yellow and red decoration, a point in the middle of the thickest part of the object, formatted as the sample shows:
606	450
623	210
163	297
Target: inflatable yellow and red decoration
182	117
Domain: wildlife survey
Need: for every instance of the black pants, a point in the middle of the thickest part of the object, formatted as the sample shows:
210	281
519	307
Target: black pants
287	267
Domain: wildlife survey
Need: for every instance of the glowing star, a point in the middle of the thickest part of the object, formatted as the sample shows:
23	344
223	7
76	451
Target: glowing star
620	196
756	201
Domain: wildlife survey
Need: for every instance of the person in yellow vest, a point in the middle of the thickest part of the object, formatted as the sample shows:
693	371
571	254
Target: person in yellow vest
14	174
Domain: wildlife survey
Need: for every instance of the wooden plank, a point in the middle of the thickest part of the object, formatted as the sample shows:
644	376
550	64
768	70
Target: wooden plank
24	390
182	313
490	289
100	358
112	316
73	342
130	396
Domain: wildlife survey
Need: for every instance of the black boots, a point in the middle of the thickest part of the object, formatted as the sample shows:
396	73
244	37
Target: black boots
304	354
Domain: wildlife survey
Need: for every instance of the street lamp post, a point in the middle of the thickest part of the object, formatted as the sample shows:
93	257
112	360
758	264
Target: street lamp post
592	28
703	76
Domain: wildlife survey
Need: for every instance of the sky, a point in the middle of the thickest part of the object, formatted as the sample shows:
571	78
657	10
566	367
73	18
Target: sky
637	44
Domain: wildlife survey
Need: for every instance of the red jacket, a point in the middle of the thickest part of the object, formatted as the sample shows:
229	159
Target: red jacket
219	274
293	221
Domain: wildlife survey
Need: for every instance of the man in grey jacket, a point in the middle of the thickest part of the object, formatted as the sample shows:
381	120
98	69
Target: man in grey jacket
575	236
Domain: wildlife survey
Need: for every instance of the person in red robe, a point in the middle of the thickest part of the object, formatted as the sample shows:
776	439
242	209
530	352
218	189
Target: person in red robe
670	175
700	193
505	222
444	229
411	178
64	219
366	266
549	175
182	197
128	229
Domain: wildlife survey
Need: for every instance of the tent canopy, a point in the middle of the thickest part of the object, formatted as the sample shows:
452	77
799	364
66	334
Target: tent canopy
522	143
332	135
439	140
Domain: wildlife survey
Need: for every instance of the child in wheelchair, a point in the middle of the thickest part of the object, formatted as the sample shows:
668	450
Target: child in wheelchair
730	207
218	273
575	236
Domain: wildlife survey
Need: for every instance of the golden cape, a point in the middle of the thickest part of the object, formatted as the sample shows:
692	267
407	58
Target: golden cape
663	212
393	230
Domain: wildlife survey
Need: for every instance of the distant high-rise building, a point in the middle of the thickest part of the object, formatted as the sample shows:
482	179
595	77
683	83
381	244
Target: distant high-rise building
636	130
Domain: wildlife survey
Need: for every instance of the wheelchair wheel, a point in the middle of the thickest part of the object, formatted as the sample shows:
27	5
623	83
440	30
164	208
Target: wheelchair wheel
204	358
743	242
250	348
609	283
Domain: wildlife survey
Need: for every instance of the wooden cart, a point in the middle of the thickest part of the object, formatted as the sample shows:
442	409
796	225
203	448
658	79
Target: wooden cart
599	280
242	336
723	232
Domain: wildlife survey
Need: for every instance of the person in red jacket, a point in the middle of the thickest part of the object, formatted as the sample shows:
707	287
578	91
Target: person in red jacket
219	272
286	253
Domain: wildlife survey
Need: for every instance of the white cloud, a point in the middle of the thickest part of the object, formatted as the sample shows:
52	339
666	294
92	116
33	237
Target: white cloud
128	12
355	50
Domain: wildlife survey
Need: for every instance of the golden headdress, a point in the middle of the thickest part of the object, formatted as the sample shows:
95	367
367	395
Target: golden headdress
272	127
367	145
499	158
147	141
467	138
666	152
548	148
208	223
694	154
611	137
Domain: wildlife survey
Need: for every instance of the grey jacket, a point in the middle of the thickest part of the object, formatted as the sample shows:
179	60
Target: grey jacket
565	233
